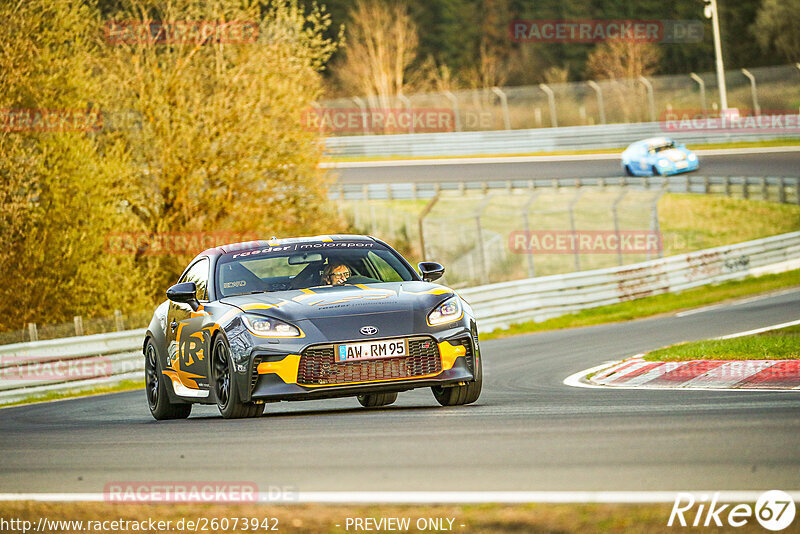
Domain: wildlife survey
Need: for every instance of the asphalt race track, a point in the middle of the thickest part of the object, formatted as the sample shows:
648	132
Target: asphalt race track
528	431
784	164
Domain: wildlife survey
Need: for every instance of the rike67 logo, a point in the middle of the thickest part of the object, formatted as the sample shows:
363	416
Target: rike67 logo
774	510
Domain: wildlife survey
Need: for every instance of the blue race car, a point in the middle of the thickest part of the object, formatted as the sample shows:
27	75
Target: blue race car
658	156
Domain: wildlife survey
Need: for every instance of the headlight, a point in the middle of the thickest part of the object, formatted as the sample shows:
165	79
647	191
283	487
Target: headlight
663	163
446	312
269	327
692	156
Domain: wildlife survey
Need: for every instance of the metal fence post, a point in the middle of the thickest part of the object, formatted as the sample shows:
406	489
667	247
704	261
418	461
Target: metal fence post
526	222
320	114
702	85
407	103
797	188
756	107
454	101
650	98
551	100
615	214
727	186
781	190
600	105
655	225
504	103
479	229
373	226
421	222
575	244
78	322
33	333
363	107
119	324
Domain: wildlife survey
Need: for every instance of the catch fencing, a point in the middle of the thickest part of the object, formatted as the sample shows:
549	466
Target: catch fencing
596	114
609	136
468	226
593	102
538	299
495	305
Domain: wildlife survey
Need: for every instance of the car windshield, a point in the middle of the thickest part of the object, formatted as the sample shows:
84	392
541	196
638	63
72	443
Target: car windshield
665	146
308	264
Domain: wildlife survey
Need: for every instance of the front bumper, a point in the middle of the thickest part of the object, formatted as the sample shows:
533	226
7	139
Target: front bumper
675	169
312	374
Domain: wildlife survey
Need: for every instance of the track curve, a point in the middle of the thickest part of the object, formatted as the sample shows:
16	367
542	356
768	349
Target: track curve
784	163
527	432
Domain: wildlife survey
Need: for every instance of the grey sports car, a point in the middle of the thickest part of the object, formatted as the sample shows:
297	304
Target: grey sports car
308	318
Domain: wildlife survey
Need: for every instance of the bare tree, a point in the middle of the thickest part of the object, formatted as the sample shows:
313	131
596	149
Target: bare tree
381	44
623	62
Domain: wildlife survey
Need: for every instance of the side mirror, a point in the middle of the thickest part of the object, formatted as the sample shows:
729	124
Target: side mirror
430	270
184	293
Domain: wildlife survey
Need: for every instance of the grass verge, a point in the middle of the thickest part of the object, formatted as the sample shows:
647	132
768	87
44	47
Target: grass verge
782	344
656	305
125	385
317	518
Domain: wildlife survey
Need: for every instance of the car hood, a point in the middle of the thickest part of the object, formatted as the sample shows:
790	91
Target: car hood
327	301
673	154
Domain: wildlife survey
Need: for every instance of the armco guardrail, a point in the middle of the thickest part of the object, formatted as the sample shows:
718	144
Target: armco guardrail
537	299
534	140
779	189
495	305
75	362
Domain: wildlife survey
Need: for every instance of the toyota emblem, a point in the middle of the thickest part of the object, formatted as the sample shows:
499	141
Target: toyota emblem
369	330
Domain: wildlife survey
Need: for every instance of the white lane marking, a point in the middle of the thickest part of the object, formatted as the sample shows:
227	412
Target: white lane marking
478	160
466	161
754	150
450	497
759	330
576	380
713	307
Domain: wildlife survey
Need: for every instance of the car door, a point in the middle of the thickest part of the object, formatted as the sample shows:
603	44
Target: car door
188	340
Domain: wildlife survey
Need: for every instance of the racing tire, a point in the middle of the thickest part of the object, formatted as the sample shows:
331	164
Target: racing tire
458	395
156	389
228	400
628	171
656	171
372	400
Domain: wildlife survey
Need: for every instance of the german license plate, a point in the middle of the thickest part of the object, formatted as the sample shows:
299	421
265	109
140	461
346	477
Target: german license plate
371	350
681	164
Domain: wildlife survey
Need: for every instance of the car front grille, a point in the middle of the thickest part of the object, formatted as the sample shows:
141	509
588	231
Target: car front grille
318	367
